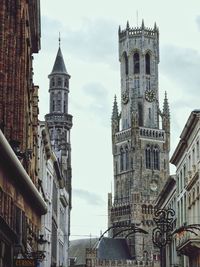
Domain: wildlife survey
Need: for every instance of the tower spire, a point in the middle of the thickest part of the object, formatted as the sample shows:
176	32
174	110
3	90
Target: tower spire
59	39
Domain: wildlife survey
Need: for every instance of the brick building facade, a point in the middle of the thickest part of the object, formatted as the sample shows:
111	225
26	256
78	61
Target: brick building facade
21	203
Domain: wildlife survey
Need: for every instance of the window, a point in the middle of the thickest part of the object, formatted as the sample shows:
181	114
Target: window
53	105
144	209
121	159
126	63
197	149
150	209
52	82
148	157
64	105
127	158
152	157
136	63
59	81
156	158
66	83
147	63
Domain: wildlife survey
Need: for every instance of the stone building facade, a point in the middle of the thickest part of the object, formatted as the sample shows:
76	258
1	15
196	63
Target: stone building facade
59	123
21	204
140	146
186	158
55	223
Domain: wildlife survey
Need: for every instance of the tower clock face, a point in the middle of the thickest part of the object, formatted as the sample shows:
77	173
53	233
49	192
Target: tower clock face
150	95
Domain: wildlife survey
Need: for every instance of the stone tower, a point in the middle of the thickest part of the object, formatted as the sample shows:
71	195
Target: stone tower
140	147
59	121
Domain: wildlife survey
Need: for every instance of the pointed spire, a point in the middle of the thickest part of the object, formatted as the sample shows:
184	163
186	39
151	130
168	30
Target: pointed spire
115	113
119	30
166	106
155	26
59	39
127	25
142	24
59	64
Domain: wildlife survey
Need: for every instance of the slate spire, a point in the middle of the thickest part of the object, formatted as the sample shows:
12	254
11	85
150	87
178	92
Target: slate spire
59	64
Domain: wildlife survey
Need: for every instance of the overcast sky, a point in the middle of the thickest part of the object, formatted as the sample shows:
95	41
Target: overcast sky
89	43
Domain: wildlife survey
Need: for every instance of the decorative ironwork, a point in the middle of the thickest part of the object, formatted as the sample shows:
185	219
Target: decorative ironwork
132	228
161	234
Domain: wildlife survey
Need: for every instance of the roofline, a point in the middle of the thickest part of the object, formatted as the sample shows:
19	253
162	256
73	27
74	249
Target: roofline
187	130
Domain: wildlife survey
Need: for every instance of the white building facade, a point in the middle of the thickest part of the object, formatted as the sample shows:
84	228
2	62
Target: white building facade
55	226
186	158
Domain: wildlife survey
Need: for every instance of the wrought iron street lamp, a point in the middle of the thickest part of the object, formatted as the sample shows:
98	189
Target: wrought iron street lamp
161	234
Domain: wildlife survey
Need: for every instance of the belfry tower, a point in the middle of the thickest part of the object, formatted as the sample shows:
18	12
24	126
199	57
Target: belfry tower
140	147
59	121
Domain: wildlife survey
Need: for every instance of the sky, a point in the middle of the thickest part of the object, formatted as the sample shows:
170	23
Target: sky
89	43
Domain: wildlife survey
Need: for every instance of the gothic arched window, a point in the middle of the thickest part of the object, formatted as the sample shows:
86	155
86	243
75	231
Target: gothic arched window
150	209
121	159
126	63
144	209
127	158
147	63
156	158
148	157
53	105
136	63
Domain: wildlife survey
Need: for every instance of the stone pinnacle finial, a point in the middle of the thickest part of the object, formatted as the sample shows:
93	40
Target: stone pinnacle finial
119	30
115	114
142	23
59	39
155	26
166	106
127	25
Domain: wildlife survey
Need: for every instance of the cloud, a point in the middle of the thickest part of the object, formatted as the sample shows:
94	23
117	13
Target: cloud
198	22
92	41
89	197
95	103
182	65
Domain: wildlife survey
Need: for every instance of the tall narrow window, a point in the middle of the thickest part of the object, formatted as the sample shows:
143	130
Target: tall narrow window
126	63
147	63
156	158
121	159
52	82
53	105
148	157
64	107
136	63
197	149
126	158
59	82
